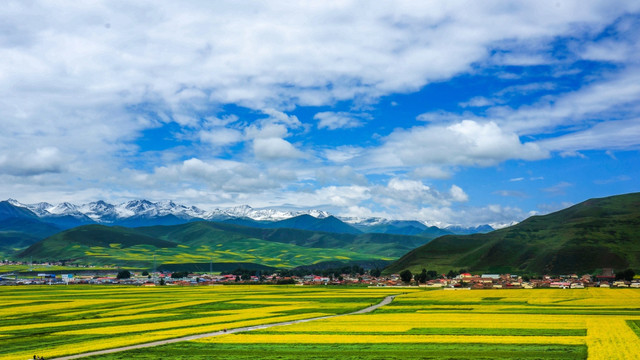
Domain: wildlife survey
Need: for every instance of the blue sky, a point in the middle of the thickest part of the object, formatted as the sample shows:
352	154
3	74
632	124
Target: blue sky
447	112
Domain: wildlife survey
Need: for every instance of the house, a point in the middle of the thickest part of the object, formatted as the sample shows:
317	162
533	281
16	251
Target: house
560	284
606	275
490	277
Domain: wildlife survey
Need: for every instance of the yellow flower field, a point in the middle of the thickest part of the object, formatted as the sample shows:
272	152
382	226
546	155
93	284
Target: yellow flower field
553	323
75	319
484	311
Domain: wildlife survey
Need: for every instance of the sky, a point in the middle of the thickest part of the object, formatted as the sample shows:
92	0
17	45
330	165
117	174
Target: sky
448	112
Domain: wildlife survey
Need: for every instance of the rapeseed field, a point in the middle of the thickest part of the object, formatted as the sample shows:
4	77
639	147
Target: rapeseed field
54	321
590	323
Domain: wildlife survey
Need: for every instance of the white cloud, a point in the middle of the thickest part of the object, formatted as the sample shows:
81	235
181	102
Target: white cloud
582	108
497	216
463	143
268	136
615	135
35	162
478	101
279	117
339	120
274	148
342	154
220	136
431	172
342	196
457	194
402	194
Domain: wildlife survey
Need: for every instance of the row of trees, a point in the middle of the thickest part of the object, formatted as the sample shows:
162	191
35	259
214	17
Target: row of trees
421	277
626	275
424	276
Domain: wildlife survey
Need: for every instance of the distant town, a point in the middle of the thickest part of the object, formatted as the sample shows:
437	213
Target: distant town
348	275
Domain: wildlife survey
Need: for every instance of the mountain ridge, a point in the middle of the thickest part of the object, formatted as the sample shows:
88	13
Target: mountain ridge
143	212
597	233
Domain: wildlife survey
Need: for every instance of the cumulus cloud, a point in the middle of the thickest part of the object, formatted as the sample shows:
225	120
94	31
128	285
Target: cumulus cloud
273	148
464	143
220	136
36	162
401	194
457	194
343	196
269	134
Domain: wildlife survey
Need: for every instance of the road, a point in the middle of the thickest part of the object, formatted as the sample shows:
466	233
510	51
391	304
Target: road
384	302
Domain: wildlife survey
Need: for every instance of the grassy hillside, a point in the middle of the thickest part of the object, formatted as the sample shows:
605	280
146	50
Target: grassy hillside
303	222
19	228
14	241
581	239
204	242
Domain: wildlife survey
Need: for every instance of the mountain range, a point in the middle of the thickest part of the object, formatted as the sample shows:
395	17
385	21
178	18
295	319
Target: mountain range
137	213
595	234
22	225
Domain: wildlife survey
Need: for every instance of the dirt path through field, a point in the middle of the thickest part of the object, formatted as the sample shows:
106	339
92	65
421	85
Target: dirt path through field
384	302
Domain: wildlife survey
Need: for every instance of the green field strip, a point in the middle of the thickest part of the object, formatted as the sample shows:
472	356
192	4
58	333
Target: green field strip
635	326
199	351
43	327
442	331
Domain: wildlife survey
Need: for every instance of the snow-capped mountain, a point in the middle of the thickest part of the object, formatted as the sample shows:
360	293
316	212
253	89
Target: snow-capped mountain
39	209
104	213
364	221
246	211
136	213
46	210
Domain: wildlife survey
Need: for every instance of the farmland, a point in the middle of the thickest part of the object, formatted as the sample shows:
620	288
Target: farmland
56	321
538	324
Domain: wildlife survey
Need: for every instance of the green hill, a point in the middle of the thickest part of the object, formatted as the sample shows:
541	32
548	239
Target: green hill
302	222
595	234
204	242
20	228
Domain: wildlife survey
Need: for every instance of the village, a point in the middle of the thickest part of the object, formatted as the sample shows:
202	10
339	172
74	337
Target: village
355	276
